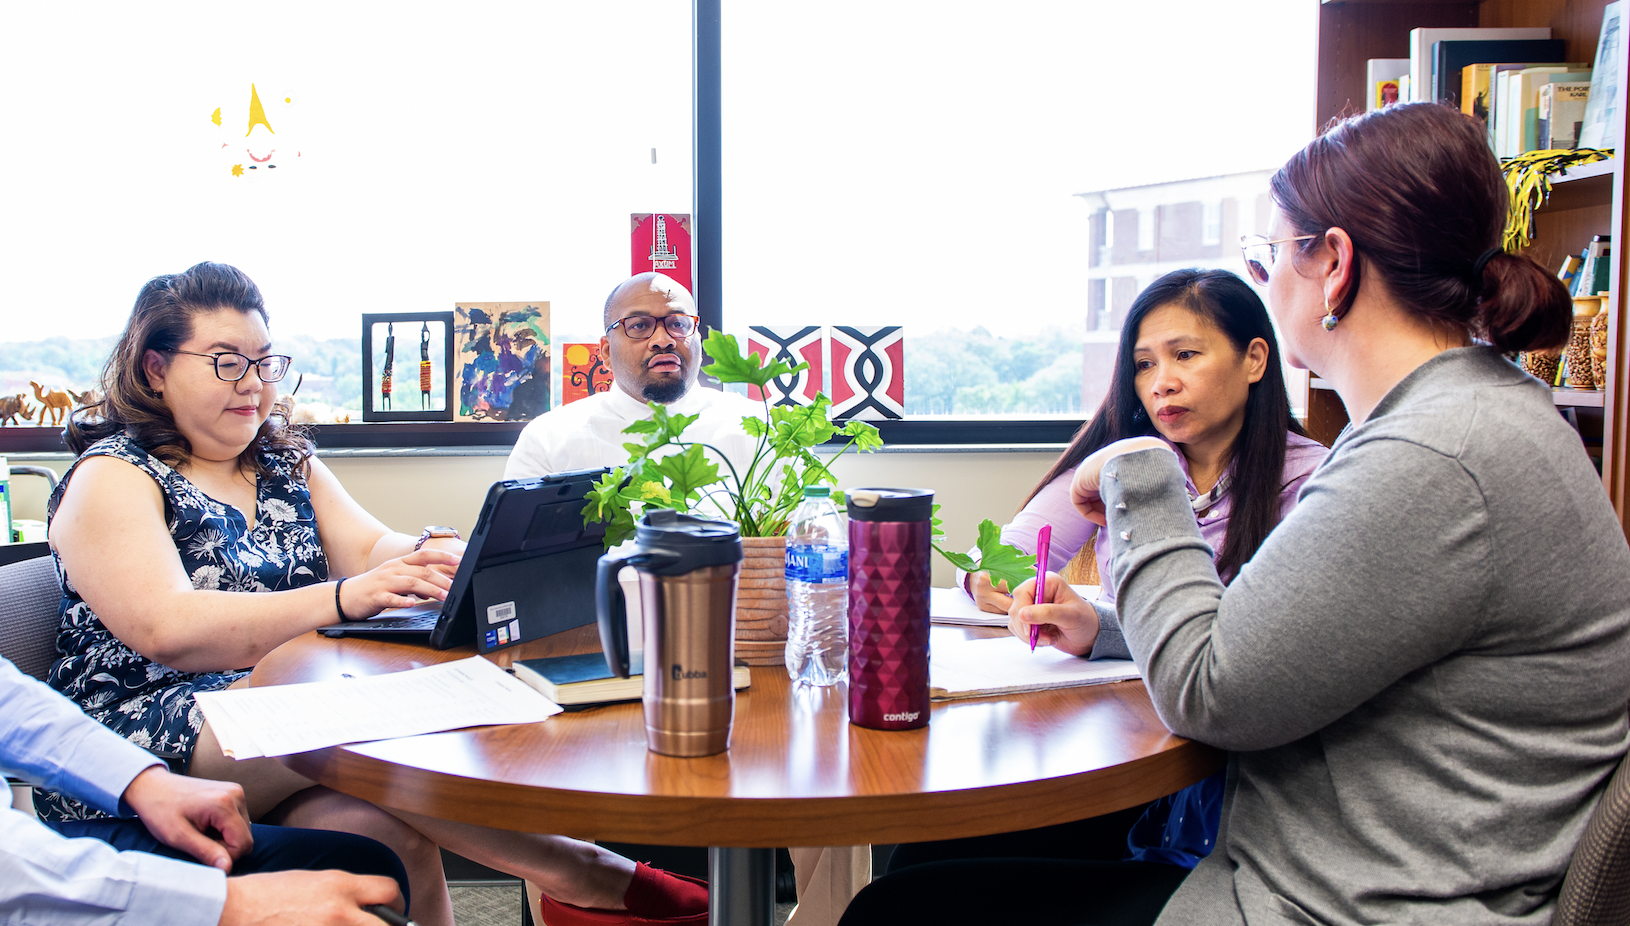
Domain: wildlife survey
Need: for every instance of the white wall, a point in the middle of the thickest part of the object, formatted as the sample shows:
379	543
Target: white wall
409	492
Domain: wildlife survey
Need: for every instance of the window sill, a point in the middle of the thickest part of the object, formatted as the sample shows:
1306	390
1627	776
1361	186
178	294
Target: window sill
464	438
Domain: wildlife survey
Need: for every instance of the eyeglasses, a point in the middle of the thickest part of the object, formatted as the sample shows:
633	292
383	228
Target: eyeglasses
1260	254
641	327
232	366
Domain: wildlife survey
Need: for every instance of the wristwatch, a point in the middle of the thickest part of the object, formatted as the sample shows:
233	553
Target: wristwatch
437	532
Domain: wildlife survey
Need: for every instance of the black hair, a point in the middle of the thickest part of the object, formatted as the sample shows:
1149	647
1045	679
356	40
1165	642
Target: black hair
1258	454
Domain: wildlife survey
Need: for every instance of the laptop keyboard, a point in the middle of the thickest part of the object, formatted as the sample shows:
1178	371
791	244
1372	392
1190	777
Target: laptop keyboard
411	622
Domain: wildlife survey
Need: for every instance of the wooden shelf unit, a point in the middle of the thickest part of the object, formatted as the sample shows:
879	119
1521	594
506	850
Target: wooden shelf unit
1587	201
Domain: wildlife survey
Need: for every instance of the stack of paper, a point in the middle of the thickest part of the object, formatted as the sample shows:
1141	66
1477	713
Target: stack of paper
283	719
1005	665
953	606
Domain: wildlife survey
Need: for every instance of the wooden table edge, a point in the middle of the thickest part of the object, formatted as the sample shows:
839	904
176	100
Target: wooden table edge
762	822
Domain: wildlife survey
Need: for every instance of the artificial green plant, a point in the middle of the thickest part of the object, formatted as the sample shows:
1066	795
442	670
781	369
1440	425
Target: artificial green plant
761	499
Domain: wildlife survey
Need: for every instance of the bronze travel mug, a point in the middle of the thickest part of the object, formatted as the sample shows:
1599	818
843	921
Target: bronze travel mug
688	567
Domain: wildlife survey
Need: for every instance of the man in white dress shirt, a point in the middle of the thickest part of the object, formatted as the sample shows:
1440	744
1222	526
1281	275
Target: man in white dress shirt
653	342
655	351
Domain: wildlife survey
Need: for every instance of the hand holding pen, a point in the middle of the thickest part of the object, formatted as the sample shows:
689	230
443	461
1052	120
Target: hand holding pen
1068	623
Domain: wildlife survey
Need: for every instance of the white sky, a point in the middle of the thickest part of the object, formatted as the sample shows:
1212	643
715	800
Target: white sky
885	162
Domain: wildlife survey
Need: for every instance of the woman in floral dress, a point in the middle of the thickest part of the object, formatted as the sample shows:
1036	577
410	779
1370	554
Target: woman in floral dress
196	532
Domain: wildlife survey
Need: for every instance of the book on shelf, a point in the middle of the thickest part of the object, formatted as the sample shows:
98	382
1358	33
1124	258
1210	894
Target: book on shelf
584	680
1382	76
1450	58
1601	120
1595	267
1496	85
1569	273
1525	134
1422	40
1561	113
1517	106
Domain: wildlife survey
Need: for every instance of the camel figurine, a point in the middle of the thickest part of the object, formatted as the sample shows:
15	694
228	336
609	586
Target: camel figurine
56	402
13	407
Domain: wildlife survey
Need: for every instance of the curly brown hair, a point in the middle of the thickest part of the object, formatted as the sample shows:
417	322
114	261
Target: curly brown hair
162	320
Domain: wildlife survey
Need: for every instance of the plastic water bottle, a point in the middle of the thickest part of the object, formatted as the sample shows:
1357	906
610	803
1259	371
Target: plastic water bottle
817	591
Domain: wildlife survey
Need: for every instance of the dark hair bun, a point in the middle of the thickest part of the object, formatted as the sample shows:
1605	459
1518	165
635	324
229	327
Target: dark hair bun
1524	306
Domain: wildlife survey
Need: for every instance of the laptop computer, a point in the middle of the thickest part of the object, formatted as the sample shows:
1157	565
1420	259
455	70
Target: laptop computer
527	572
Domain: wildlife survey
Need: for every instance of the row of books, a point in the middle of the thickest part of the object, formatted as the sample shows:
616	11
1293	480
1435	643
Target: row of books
1586	274
1513	79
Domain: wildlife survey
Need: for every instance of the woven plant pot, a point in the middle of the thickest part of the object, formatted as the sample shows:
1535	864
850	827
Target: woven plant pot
761	602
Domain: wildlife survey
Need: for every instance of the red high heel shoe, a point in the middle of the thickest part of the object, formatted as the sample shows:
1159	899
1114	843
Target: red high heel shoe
654	892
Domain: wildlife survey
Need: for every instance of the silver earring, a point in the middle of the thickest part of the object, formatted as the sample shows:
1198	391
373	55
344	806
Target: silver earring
1329	321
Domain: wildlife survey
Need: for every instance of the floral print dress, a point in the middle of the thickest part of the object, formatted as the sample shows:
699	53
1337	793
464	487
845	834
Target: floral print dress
150	704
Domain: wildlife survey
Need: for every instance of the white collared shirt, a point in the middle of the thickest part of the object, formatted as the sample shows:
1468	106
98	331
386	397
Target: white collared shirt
589	432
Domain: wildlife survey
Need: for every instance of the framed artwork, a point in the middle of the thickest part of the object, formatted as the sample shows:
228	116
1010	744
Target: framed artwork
504	360
661	242
868	372
584	373
407	366
795	345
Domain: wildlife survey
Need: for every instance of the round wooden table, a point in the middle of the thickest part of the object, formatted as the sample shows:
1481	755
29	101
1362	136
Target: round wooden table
797	772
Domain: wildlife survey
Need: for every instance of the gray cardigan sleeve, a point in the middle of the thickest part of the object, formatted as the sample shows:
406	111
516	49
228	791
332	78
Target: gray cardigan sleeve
1376	573
1111	644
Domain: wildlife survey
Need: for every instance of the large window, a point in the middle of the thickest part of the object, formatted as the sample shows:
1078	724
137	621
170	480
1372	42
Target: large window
419	155
949	167
998	179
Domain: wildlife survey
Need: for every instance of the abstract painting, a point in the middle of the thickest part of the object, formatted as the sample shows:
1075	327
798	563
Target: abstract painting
661	242
868	372
795	345
584	373
504	360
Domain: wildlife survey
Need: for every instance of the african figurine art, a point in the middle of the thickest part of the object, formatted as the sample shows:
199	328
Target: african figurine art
424	366
390	361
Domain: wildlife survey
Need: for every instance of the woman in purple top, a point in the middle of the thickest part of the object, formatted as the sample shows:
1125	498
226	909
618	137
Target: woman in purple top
1199	367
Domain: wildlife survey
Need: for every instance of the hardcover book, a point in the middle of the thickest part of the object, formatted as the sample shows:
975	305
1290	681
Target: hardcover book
1601	128
583	680
1383	75
1561	113
1422	40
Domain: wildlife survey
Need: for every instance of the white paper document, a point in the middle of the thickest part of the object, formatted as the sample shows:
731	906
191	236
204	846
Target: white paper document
1005	665
280	720
953	606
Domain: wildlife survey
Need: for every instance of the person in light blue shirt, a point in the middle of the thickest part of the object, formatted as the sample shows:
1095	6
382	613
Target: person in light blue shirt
141	871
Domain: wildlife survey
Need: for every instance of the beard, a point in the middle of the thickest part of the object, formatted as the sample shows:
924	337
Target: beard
665	393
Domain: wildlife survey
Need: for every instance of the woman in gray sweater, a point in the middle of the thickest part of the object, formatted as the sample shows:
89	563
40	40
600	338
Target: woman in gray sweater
1421	676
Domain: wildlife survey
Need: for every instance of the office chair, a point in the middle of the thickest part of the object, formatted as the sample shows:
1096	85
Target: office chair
1596	891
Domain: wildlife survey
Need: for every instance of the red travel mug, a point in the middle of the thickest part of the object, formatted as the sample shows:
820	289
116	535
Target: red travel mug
889	534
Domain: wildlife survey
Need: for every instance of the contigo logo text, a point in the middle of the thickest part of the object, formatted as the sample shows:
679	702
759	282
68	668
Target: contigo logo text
903	715
679	673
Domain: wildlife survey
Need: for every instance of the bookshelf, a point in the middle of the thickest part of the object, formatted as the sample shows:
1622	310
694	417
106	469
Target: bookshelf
1587	201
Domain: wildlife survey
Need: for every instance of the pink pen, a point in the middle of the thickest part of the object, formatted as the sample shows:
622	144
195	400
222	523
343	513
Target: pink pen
1044	539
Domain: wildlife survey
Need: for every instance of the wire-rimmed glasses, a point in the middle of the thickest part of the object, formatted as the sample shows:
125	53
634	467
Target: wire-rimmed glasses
1260	253
641	327
232	366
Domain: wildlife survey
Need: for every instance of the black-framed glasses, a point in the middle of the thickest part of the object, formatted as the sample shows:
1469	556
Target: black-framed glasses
233	366
641	327
1260	254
